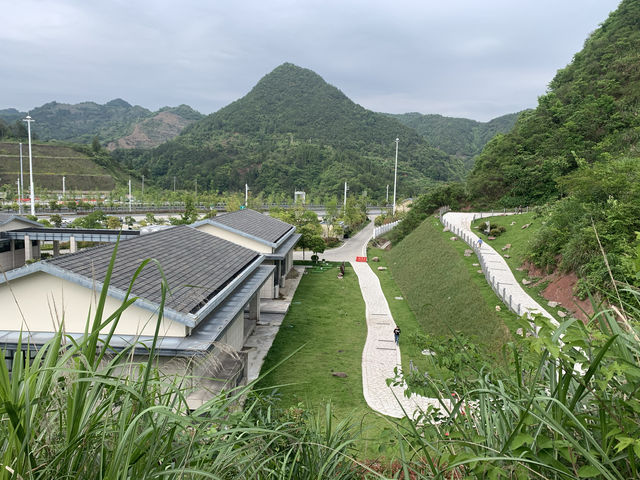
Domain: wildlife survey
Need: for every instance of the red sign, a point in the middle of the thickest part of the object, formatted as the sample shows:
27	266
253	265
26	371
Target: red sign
361	259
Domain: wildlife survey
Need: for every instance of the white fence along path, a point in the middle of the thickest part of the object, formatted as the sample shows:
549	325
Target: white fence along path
494	266
382	229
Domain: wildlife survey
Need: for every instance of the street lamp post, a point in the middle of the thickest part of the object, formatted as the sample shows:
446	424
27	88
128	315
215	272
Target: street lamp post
21	182
395	178
33	198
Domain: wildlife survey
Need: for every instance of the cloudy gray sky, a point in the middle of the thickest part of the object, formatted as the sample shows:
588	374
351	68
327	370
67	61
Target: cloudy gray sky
467	58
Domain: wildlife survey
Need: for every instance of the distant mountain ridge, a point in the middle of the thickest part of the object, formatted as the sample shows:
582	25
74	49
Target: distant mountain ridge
460	137
294	130
116	123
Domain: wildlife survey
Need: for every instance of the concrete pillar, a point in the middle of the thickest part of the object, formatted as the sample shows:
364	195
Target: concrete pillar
281	273
254	308
73	245
28	251
12	246
56	248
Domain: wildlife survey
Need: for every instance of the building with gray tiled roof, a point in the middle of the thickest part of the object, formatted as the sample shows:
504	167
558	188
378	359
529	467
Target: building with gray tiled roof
212	295
13	254
271	237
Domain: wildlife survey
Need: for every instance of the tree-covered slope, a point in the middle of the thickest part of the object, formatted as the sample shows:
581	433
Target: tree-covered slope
294	130
461	137
110	122
589	113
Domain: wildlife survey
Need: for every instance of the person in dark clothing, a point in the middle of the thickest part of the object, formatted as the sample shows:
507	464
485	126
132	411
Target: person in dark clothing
396	334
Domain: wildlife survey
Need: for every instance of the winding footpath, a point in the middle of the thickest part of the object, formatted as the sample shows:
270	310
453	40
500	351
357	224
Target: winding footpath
381	356
494	266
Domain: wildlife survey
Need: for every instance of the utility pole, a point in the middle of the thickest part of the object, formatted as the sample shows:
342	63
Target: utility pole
174	183
196	187
32	193
129	194
387	202
21	181
143	185
19	197
64	186
395	178
345	196
246	195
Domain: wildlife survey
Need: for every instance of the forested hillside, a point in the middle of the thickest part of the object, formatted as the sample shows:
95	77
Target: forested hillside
110	122
576	155
293	130
461	137
588	115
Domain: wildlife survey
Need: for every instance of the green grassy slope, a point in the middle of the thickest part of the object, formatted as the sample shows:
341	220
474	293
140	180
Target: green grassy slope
50	164
444	289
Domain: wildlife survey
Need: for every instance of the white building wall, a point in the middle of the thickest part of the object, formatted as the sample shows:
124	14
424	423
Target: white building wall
45	301
235	238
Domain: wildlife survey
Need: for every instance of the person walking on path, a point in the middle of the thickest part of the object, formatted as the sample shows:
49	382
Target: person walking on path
396	335
479	243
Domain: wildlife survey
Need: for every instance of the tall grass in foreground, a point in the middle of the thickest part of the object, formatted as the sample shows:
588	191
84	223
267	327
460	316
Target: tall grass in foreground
566	408
82	410
563	409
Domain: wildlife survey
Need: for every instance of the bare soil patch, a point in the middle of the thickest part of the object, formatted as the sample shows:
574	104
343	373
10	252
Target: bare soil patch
561	288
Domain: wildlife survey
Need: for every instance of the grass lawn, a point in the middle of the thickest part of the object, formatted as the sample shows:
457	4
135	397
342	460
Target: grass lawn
519	239
327	319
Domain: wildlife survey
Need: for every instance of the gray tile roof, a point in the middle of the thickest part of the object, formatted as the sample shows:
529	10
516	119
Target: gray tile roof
196	265
200	341
255	224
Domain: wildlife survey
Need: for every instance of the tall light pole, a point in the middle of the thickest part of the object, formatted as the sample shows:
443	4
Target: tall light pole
246	195
395	178
33	198
19	196
21	182
345	196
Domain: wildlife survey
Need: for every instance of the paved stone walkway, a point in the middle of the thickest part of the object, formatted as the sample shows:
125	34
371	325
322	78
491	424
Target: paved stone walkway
495	267
381	355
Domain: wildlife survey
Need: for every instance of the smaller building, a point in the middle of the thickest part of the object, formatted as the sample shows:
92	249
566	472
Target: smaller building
212	305
13	253
269	236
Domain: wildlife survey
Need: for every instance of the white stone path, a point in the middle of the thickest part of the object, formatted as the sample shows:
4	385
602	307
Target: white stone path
494	265
381	356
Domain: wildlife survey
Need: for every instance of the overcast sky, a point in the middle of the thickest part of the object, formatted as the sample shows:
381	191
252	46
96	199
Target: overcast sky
465	58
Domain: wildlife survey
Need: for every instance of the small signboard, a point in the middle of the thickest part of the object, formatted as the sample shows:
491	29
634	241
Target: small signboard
361	259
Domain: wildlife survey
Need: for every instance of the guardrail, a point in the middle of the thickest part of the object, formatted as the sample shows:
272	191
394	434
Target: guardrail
382	229
472	240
